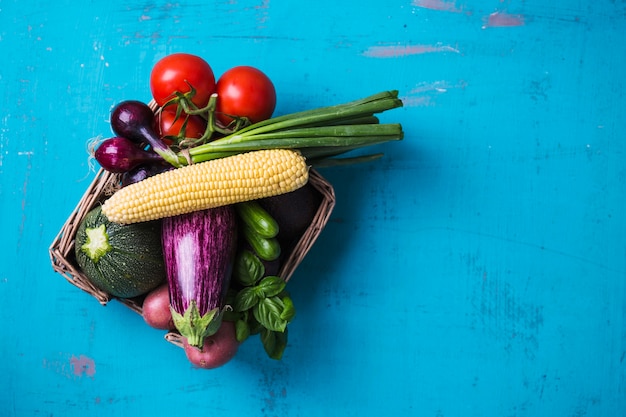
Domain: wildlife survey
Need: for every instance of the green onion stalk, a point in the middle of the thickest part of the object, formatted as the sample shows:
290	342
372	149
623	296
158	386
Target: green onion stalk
319	134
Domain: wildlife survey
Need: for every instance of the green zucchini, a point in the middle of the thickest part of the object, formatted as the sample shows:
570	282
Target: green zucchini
258	219
122	260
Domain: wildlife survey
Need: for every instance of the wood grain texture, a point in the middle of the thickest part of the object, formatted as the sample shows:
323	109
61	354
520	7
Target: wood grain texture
479	269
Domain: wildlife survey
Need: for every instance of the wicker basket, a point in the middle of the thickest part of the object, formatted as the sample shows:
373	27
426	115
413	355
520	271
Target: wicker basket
106	183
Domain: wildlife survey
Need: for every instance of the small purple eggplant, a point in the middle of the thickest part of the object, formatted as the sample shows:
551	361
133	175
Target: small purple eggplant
199	250
141	172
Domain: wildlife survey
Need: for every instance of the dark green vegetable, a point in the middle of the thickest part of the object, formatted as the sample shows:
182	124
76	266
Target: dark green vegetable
248	268
266	249
259	220
260	304
274	343
294	212
123	260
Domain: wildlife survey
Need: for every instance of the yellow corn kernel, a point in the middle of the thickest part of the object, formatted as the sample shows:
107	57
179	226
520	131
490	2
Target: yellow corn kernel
219	182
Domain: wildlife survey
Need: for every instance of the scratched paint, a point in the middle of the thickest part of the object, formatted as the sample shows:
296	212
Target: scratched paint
25	183
82	365
502	19
425	93
395	51
71	366
272	392
442	5
492	20
262	14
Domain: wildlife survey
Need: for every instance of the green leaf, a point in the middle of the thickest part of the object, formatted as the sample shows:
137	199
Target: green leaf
246	299
255	326
271	286
248	268
289	310
268	312
268	338
242	330
194	326
274	343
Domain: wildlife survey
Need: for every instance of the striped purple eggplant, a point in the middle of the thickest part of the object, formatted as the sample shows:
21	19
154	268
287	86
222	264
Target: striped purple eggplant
199	250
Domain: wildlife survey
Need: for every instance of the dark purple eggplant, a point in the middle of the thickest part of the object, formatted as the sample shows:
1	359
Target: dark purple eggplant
199	250
134	120
294	212
121	155
142	172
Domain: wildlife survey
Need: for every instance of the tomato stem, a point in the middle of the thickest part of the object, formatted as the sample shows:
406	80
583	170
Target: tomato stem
185	104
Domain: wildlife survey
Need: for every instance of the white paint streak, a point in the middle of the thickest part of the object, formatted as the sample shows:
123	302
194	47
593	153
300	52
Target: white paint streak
424	94
501	19
441	5
395	51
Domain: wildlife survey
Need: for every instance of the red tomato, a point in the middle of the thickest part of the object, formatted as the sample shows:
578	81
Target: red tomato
168	125
175	72
245	92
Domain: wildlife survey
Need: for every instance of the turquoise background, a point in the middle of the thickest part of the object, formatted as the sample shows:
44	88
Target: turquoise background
479	269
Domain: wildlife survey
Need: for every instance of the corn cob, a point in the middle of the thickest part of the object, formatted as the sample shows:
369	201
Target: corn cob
234	179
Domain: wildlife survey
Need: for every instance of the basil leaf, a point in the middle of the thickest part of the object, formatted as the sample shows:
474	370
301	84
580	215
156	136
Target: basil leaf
268	311
248	268
271	286
268	338
274	343
246	299
254	325
242	330
289	310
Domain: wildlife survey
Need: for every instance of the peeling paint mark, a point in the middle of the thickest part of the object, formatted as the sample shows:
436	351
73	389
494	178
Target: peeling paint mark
423	94
275	398
442	5
71	366
501	313
409	101
438	86
395	51
83	365
262	14
29	166
500	19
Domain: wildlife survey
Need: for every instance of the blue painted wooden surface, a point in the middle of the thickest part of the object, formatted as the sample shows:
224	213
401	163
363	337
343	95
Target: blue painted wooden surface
478	270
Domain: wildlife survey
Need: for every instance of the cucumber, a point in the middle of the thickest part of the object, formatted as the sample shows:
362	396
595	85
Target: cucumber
124	261
258	219
267	249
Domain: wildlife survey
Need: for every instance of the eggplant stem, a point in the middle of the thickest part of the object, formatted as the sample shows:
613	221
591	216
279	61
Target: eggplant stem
196	327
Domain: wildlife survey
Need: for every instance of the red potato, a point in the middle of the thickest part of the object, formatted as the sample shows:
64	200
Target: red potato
156	309
217	350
